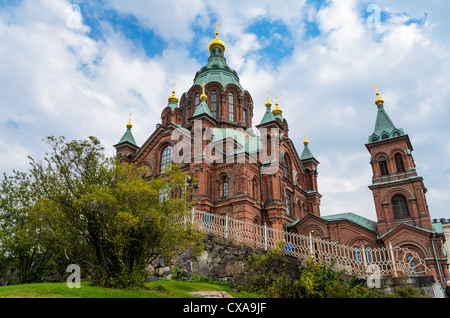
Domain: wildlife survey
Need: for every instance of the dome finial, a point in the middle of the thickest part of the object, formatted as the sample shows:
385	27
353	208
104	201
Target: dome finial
216	42
203	94
129	125
173	98
306	142
277	110
268	103
379	100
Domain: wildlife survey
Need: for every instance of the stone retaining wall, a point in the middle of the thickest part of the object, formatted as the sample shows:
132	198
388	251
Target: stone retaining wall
223	259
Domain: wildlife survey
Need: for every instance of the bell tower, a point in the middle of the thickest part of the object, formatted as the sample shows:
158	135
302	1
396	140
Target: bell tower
398	192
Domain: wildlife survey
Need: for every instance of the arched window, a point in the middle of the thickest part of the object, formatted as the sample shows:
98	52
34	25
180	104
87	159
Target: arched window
231	106
224	187
288	203
166	159
358	255
245	116
369	254
214	104
197	101
255	188
412	265
400	207
285	168
399	162
383	166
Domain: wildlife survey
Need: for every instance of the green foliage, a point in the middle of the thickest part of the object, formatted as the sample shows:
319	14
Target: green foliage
267	277
84	208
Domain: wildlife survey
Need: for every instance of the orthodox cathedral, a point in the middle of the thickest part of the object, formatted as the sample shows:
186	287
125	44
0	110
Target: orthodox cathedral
262	178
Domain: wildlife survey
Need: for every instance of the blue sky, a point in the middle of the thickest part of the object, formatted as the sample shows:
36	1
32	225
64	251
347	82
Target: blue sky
78	68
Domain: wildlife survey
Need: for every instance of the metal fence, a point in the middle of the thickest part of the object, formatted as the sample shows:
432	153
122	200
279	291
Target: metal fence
361	260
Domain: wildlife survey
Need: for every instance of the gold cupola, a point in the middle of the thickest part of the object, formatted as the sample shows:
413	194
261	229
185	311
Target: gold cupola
379	101
277	109
129	125
173	98
217	42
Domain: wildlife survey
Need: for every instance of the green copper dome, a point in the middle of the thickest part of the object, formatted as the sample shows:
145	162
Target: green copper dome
217	70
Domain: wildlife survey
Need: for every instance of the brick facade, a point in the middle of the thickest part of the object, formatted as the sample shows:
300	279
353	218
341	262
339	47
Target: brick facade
237	174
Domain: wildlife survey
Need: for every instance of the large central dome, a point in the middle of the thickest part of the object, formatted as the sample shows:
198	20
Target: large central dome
217	70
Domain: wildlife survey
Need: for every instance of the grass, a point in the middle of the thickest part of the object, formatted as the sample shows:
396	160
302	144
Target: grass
161	289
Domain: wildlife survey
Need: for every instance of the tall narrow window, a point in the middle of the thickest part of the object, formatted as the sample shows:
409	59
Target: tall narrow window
369	255
166	159
357	255
383	166
288	203
214	104
255	188
231	106
245	116
285	168
224	187
399	162
400	207
197	101
412	265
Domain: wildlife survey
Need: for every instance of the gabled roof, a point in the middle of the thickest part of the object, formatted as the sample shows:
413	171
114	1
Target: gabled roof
246	142
202	109
357	219
435	229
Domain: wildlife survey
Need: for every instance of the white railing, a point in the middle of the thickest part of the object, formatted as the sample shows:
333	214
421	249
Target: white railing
363	261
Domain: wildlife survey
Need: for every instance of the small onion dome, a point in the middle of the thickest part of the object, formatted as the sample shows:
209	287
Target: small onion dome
305	142
173	98
217	43
379	100
129	125
277	109
268	103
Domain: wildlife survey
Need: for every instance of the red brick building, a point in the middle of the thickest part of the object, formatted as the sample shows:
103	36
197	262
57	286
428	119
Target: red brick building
261	178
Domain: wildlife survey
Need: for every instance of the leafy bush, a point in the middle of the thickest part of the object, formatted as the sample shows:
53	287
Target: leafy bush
267	277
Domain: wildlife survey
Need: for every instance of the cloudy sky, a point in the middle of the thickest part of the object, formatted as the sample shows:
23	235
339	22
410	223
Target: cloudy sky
78	69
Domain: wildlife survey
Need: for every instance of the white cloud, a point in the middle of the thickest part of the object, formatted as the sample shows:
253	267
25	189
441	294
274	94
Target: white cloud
60	81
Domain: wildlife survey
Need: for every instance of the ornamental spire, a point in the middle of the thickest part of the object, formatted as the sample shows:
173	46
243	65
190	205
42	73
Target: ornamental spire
277	109
216	42
268	103
129	125
379	101
173	98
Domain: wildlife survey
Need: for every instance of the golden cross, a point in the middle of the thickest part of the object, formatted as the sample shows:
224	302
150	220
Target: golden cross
203	86
376	87
276	99
217	26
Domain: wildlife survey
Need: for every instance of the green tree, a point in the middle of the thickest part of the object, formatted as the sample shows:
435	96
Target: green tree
102	214
22	258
